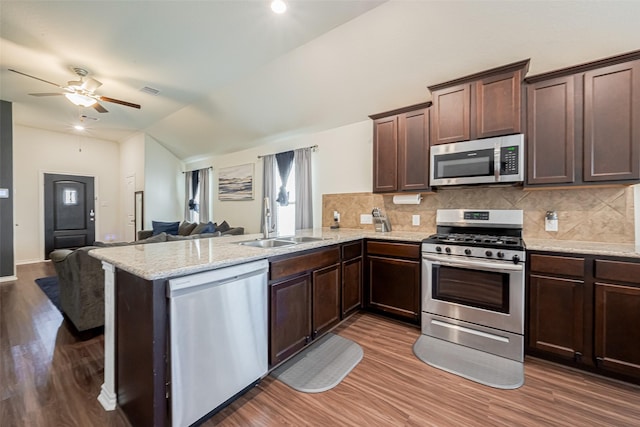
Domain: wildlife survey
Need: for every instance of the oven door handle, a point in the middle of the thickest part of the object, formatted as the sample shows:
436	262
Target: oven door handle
471	264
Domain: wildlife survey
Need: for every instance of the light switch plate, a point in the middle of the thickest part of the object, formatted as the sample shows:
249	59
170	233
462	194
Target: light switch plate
415	220
366	219
550	225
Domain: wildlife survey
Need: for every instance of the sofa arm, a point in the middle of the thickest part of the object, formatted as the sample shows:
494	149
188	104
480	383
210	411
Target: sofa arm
235	231
60	255
144	234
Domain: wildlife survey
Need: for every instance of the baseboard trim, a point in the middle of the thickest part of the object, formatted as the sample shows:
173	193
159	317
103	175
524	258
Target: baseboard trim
8	279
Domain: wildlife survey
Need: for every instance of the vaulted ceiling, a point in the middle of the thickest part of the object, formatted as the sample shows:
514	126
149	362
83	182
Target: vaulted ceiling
232	74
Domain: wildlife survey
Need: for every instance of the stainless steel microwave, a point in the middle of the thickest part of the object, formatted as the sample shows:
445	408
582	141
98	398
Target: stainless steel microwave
483	161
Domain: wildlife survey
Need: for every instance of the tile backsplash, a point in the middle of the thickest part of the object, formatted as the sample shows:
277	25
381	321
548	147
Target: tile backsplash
586	214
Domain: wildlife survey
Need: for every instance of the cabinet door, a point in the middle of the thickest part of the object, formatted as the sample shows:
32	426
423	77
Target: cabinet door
556	315
326	299
551	131
351	285
617	334
451	107
385	154
394	286
498	105
612	123
413	151
290	317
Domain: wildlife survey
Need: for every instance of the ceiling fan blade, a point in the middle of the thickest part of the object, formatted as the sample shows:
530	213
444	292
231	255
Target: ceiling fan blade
45	94
99	108
117	101
37	78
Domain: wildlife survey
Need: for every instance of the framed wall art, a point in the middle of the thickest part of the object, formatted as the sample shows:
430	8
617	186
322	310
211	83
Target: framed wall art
236	183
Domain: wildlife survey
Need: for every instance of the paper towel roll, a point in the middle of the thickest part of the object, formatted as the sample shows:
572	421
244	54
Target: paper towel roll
407	199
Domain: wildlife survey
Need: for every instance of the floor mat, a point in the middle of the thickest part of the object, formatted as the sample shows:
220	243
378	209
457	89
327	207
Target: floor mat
475	365
49	285
321	366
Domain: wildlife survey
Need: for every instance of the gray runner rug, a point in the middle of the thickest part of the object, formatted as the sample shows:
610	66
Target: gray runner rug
321	366
469	363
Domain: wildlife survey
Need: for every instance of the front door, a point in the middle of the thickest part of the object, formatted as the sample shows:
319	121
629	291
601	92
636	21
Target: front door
69	212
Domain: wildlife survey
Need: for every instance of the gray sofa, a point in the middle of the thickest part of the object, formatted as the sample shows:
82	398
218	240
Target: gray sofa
81	278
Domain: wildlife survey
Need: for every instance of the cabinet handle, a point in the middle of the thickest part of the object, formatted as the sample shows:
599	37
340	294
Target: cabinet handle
307	339
577	356
599	361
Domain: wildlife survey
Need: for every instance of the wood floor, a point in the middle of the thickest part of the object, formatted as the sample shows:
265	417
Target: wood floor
51	377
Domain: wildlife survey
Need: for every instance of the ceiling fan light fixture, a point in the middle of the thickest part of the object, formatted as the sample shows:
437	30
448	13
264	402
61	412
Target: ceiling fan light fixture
80	100
278	6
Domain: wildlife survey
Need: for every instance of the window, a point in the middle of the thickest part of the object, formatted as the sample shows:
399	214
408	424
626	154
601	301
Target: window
287	214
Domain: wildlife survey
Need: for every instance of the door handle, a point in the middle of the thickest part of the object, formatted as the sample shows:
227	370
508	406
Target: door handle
92	215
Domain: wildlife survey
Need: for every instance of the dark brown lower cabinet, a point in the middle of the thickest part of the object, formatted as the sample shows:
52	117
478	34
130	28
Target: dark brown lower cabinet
393	279
590	319
290	317
326	299
556	322
617	324
304	300
351	278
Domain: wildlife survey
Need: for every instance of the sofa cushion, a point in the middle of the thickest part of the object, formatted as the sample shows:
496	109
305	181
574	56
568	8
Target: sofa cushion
204	227
171	238
186	228
223	227
166	227
158	238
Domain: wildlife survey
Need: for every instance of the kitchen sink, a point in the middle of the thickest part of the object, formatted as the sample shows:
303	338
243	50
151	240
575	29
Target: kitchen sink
301	239
267	243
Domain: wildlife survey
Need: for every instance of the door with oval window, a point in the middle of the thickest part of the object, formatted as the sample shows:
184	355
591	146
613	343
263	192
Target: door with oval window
69	212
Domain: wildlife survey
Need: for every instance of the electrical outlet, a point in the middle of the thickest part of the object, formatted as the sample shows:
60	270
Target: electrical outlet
336	216
415	220
550	225
366	219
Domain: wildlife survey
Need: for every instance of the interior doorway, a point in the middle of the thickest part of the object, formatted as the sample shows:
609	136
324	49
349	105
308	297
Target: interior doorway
69	212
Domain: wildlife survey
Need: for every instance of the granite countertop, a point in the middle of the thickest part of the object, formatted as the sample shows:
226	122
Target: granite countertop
171	259
580	247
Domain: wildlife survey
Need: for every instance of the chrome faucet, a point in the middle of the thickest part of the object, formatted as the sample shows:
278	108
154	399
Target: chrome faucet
267	218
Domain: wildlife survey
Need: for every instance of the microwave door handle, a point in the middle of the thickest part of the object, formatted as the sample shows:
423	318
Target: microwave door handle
471	264
496	161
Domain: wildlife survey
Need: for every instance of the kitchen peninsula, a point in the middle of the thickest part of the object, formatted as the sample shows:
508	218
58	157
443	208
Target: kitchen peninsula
137	281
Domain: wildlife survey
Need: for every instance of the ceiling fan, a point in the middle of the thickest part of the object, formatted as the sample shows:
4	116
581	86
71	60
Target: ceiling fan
81	92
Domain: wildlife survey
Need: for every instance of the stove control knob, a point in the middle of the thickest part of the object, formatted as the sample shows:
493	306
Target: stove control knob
447	250
500	254
515	259
467	251
438	249
489	253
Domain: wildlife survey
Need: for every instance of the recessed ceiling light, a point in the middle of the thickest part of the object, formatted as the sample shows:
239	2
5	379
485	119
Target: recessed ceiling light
78	127
278	6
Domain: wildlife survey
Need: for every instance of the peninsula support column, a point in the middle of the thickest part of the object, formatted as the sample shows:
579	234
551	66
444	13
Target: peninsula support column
108	397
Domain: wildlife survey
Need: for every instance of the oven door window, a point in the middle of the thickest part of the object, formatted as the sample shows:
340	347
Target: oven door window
474	288
465	164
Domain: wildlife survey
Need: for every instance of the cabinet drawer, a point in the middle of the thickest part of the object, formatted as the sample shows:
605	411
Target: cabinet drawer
400	250
289	266
617	271
567	266
351	250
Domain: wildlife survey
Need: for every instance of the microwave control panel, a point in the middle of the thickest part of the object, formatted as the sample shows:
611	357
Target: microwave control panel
509	160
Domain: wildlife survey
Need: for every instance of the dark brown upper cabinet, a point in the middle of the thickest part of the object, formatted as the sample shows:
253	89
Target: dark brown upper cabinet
401	149
481	105
583	124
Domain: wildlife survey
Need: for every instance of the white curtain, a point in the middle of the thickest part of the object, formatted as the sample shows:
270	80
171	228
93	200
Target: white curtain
269	190
204	199
304	204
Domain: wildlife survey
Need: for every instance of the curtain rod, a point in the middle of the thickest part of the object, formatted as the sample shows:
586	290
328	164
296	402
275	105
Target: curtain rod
210	167
313	148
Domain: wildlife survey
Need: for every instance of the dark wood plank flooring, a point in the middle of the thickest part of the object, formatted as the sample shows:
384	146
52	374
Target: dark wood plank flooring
51	376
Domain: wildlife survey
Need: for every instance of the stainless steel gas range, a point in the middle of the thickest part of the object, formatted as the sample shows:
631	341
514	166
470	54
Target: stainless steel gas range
473	284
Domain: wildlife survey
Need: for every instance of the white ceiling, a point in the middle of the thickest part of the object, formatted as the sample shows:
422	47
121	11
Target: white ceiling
233	75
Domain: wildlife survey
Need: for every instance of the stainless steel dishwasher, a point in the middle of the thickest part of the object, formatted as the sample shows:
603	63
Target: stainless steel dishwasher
218	337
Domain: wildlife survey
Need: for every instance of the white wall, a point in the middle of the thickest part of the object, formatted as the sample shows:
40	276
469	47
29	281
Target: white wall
131	164
163	184
342	164
37	152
